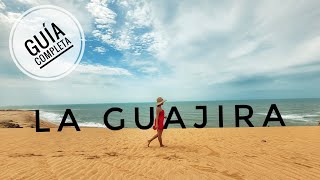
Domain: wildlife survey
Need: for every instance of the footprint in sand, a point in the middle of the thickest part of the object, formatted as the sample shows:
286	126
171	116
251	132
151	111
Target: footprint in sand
93	157
205	168
112	154
300	164
173	157
25	155
235	175
208	151
250	156
160	155
60	155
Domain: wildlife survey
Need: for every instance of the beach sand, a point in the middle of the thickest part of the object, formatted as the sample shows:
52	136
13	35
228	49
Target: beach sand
211	153
229	153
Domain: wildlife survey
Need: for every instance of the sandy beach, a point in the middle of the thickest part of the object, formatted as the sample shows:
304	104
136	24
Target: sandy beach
211	153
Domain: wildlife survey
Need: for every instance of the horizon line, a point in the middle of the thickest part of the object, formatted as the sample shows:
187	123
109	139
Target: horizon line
175	101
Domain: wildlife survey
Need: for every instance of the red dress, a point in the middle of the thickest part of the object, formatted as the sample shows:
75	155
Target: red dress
160	121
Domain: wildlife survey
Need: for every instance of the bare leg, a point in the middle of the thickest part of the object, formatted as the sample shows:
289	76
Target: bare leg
154	137
160	137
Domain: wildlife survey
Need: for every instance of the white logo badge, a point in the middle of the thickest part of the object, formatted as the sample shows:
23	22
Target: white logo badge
47	43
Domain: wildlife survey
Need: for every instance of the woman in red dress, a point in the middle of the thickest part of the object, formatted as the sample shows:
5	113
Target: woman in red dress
158	122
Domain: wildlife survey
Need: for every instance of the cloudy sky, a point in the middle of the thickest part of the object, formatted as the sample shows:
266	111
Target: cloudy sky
181	50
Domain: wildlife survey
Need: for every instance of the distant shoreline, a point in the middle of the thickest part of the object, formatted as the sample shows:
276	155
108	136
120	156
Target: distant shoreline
295	112
21	119
173	101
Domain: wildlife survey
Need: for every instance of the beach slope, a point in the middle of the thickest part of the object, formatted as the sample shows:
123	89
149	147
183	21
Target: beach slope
212	153
21	119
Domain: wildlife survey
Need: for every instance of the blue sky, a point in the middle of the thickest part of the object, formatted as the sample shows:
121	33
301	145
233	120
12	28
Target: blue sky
181	50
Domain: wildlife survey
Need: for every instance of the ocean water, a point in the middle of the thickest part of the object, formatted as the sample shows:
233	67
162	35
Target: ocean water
295	112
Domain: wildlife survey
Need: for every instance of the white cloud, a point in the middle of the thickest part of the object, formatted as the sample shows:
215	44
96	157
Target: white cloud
102	14
203	36
30	2
196	49
104	20
102	70
212	42
139	13
136	63
2	5
145	66
150	69
7	19
309	49
100	49
244	49
132	32
76	7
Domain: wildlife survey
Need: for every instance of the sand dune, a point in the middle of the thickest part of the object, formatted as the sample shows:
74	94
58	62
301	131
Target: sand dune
228	153
20	118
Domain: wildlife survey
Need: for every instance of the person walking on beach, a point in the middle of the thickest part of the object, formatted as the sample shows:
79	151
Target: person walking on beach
158	122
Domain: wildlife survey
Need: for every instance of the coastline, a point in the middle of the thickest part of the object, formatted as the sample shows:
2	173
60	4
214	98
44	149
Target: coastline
16	118
21	119
91	115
